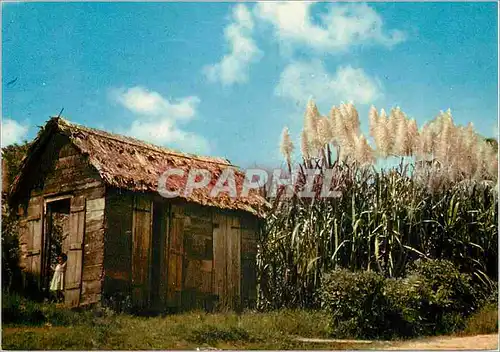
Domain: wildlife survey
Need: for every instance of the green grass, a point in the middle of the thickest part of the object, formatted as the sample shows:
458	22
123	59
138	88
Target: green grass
250	330
63	329
485	321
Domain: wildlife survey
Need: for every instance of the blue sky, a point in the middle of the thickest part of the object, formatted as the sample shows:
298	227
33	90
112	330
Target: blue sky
224	79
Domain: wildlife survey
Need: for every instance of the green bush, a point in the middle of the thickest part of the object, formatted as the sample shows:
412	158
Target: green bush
450	296
356	304
18	310
434	298
406	299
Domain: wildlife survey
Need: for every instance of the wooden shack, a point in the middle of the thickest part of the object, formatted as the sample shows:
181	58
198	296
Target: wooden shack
94	196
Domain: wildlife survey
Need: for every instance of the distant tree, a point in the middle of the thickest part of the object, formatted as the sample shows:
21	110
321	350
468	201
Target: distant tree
12	157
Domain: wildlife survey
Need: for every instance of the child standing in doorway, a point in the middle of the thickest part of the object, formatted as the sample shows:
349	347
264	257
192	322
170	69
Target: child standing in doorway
57	283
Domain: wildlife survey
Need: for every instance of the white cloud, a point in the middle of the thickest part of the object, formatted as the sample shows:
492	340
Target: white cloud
12	132
164	132
233	67
338	29
300	80
144	102
158	118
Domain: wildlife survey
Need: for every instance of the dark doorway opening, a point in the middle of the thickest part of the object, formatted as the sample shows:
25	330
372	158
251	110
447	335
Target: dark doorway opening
55	235
157	244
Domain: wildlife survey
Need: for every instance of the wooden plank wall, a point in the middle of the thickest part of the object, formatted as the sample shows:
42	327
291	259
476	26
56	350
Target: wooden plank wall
118	244
61	169
93	253
249	233
141	250
164	227
227	259
30	241
198	260
175	256
73	279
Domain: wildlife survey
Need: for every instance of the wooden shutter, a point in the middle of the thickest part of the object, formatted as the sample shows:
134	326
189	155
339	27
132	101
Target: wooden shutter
227	260
164	262
34	230
74	266
234	262
176	256
249	231
141	250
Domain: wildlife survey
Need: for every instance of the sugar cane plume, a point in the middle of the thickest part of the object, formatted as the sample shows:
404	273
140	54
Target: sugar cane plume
381	132
341	133
363	153
413	136
456	151
445	136
324	131
373	120
333	116
305	147
286	146
353	119
311	126
401	143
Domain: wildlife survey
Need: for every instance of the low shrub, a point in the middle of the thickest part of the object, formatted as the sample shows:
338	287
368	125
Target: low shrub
448	296
356	304
434	298
19	310
406	299
16	309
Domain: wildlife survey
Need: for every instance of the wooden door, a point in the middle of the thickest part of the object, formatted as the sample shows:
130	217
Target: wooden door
141	251
233	262
249	233
34	230
227	260
164	262
74	265
219	273
175	256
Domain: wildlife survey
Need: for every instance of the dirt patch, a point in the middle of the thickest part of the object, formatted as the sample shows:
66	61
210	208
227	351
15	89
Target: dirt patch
478	342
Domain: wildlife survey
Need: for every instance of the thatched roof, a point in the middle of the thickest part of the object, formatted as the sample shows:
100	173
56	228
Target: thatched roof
128	163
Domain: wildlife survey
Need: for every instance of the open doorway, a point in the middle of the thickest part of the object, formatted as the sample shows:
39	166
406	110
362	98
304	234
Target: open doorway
55	236
156	253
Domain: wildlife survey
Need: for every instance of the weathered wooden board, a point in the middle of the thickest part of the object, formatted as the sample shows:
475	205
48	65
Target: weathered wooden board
61	168
24	245
163	290
220	256
118	242
34	226
91	287
92	272
175	256
90	298
93	244
73	278
234	262
141	248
